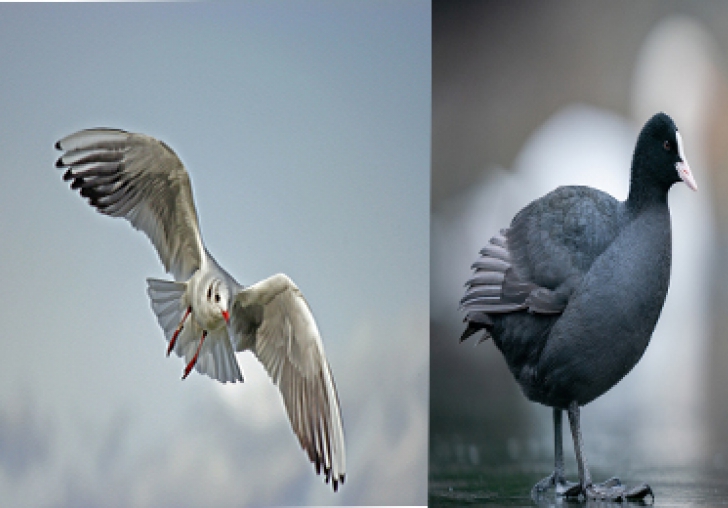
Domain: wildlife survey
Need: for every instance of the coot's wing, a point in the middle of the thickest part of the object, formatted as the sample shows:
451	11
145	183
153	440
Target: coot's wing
538	262
558	236
141	179
272	319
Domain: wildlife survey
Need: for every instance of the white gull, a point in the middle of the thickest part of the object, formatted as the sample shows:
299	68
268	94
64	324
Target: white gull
206	315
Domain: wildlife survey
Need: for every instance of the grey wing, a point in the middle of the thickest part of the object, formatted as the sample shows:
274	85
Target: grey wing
558	236
141	179
539	261
272	319
495	287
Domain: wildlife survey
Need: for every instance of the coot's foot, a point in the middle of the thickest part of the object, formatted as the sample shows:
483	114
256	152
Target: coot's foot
639	492
611	490
553	480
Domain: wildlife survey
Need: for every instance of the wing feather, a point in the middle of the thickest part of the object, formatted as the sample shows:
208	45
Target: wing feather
272	319
141	179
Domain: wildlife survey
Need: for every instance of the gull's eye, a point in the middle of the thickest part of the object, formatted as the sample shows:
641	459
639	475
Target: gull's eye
209	292
667	145
217	297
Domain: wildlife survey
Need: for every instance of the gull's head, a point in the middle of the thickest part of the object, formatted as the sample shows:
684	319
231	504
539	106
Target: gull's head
218	300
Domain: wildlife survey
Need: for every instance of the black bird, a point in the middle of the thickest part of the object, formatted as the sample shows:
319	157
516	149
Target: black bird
572	290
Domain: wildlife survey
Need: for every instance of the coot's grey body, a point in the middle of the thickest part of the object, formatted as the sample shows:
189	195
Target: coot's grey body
572	290
604	267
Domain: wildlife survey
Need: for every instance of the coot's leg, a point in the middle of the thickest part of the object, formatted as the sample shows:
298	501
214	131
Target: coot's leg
612	489
555	479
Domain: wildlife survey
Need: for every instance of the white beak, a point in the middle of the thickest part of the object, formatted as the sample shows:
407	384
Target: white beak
683	168
686	175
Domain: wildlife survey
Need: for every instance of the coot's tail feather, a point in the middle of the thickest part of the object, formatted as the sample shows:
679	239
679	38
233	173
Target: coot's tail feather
484	294
495	289
473	328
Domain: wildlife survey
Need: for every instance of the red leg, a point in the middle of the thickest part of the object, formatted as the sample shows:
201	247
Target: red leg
173	340
192	363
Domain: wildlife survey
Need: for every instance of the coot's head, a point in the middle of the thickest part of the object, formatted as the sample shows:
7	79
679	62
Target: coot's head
659	158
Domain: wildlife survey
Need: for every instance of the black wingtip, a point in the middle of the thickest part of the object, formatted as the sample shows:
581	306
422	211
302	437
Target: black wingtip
78	184
58	145
338	481
59	163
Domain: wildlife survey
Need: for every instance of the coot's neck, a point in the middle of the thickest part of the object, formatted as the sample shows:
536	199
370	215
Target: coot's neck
645	190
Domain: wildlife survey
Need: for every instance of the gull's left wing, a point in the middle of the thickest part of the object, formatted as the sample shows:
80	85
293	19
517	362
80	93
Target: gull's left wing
272	319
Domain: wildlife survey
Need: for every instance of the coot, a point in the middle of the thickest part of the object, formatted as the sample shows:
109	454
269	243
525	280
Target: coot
572	290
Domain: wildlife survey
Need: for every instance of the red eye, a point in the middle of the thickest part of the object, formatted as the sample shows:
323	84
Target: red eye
666	145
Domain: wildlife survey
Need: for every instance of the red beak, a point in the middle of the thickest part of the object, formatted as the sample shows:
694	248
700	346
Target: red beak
226	315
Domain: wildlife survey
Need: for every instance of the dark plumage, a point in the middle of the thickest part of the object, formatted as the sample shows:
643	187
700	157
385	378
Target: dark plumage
572	290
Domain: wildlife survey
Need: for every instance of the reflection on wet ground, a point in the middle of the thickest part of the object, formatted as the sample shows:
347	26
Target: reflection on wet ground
509	486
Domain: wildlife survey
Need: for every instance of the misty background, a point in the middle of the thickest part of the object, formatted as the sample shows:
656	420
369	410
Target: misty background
528	96
305	127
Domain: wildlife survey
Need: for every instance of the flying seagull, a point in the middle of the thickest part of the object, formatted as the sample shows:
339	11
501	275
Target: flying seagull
206	315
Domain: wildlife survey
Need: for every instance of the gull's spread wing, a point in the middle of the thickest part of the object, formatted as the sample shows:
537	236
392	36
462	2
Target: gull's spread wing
141	179
272	319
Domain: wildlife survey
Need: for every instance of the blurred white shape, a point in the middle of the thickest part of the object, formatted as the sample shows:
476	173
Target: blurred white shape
256	403
675	72
579	145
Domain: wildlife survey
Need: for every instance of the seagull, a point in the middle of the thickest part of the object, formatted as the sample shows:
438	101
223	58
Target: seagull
206	315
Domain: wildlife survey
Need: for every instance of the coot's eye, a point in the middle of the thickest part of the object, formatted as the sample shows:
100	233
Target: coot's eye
667	145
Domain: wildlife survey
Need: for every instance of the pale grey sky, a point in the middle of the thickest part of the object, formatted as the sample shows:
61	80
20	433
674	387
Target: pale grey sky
305	127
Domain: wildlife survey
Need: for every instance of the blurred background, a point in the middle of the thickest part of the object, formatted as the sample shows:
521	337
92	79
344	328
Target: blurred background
305	127
528	96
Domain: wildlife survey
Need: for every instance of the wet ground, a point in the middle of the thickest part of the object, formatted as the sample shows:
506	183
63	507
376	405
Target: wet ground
510	485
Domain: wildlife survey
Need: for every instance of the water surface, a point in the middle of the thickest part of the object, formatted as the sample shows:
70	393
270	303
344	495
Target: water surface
509	485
